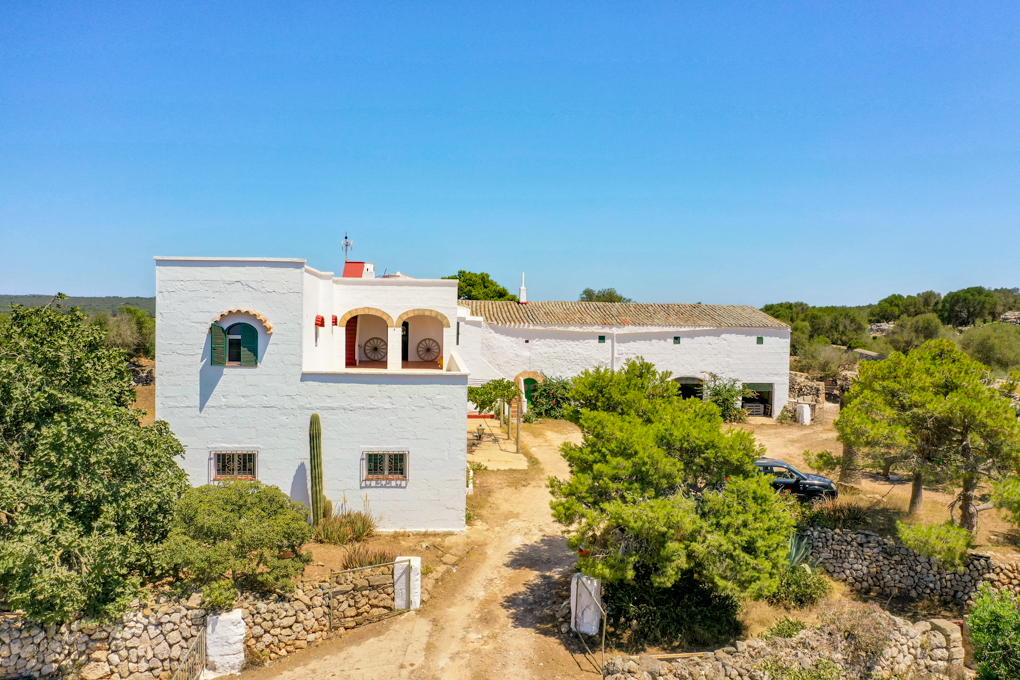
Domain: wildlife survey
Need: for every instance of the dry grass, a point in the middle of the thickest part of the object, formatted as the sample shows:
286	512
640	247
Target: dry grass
759	616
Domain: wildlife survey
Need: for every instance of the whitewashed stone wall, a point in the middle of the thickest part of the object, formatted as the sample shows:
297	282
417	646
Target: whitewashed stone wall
267	408
869	563
933	648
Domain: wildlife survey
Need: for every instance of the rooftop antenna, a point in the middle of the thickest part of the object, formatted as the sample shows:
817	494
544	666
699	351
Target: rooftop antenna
347	245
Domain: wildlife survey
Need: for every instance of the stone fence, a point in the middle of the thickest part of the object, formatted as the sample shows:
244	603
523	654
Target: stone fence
148	641
871	564
933	647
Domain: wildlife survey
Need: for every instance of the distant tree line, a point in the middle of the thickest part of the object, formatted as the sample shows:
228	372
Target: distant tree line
917	318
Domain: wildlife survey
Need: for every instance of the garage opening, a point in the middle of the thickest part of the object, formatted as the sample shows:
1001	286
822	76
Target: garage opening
689	388
761	403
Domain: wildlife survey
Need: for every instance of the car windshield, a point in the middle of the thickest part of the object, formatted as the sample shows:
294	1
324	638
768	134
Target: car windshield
787	471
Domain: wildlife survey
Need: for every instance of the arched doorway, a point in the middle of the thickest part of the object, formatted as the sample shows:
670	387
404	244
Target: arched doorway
529	387
689	388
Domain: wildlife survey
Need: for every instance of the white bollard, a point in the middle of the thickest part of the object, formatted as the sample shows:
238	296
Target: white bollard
224	644
585	601
407	591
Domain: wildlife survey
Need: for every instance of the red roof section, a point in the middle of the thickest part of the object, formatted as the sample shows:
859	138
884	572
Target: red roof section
354	270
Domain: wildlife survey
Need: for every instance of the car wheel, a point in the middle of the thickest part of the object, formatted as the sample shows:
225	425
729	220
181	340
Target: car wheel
817	500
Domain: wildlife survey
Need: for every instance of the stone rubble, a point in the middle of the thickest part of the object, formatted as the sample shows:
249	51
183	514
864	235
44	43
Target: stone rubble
933	647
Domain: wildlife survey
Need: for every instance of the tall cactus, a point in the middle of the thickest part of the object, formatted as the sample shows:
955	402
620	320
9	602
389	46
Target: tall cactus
315	446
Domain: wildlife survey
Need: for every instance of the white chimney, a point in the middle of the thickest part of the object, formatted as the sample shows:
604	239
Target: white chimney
523	297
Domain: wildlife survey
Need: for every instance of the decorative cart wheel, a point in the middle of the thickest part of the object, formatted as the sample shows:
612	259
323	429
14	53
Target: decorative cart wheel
375	349
428	350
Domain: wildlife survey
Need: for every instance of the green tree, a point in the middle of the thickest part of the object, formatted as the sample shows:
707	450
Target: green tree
934	409
602	295
967	307
841	325
996	345
244	531
86	492
1006	300
922	303
632	390
145	326
914	331
787	312
479	286
659	490
888	309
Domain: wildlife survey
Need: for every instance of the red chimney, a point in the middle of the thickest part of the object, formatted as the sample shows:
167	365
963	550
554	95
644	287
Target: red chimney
319	320
334	319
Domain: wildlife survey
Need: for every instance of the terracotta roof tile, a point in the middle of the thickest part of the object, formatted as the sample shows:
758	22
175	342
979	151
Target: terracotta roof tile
620	314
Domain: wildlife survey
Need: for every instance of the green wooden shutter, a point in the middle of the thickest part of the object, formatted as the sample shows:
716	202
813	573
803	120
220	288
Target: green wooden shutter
249	345
219	345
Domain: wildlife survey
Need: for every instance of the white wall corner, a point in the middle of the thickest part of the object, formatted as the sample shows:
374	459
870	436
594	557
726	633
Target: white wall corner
224	644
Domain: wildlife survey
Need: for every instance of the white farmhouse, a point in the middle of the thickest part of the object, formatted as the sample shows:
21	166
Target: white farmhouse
249	349
524	342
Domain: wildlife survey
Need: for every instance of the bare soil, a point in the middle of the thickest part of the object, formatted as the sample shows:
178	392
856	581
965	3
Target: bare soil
145	400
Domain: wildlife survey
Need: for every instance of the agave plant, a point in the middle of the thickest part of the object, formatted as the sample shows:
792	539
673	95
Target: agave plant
798	555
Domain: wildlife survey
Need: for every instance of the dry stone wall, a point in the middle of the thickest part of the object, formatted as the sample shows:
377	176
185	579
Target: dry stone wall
934	648
284	625
871	564
149	641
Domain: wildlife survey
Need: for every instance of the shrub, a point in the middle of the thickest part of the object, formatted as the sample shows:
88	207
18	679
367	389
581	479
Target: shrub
549	398
529	417
785	627
864	628
687	613
800	586
244	531
780	668
994	624
346	526
943	542
824	362
837	513
219	595
726	394
996	345
365	556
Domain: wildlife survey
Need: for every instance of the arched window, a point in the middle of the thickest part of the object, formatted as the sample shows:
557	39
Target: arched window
238	345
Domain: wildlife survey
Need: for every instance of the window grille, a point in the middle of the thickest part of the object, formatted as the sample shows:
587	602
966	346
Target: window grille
235	464
386	465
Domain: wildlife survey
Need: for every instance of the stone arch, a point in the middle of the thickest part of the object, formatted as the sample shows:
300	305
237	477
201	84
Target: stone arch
422	312
263	320
524	375
366	310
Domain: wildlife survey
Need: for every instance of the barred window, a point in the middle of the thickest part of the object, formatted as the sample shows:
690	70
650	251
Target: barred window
386	465
235	464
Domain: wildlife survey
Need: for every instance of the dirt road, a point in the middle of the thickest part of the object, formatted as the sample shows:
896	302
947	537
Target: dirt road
492	616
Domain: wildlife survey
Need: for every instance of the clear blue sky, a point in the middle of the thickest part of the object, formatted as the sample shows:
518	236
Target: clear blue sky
724	153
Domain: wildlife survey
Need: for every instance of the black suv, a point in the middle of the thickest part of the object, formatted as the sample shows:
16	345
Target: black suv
785	477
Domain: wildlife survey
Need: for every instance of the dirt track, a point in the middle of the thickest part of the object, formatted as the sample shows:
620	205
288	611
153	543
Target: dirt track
491	616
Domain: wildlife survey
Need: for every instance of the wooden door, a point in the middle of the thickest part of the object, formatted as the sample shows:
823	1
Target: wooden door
352	342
